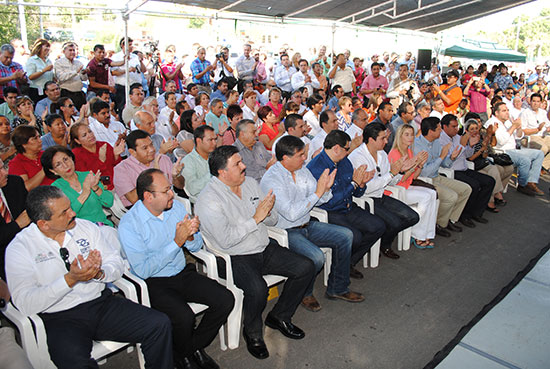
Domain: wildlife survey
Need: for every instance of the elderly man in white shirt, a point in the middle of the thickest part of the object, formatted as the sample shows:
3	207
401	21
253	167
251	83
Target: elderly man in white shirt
528	161
103	127
59	266
304	78
535	124
341	74
70	73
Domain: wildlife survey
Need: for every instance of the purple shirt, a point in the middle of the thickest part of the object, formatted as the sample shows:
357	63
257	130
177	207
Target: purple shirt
127	171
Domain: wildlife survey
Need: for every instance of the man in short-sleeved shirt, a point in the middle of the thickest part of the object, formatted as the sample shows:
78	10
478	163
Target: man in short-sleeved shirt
451	93
142	156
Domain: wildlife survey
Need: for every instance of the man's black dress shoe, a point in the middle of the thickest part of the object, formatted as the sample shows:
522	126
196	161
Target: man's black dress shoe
480	220
185	363
204	360
286	328
454	227
354	273
440	231
390	254
467	222
256	347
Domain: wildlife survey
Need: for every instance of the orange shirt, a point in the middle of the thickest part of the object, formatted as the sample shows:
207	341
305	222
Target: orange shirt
395	155
455	95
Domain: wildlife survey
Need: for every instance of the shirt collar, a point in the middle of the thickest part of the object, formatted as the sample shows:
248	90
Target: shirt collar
142	213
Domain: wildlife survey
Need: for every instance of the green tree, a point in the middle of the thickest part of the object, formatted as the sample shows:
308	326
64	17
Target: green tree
534	34
196	22
9	23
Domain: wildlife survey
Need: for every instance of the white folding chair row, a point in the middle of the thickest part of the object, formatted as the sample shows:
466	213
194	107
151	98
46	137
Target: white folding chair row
34	341
374	253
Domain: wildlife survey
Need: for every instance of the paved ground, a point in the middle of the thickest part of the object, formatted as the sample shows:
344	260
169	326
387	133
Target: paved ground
414	306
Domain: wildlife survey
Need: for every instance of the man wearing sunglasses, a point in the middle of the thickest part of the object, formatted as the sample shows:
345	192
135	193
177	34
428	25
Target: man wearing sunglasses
58	267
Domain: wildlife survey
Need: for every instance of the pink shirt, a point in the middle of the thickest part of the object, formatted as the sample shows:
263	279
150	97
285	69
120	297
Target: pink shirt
395	155
127	171
478	100
371	83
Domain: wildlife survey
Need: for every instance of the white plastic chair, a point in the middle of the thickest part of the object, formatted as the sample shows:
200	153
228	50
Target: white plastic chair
374	253
235	317
322	216
33	335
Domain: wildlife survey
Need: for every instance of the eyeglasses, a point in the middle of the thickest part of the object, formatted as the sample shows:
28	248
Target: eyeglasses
63	162
70	106
378	171
64	253
164	192
345	148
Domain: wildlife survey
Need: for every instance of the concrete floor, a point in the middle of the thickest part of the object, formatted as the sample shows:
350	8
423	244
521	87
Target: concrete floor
414	306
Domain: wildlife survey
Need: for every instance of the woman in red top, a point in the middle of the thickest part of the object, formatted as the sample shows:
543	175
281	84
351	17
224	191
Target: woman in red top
423	197
271	129
275	102
26	163
92	155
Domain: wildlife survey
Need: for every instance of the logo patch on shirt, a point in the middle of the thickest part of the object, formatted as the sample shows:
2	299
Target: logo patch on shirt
84	246
43	256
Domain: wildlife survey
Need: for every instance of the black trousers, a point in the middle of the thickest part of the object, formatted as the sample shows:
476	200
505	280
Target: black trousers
248	271
120	100
482	189
367	228
171	295
70	332
397	215
79	97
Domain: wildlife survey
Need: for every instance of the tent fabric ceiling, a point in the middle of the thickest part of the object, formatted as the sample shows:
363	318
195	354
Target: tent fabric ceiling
419	15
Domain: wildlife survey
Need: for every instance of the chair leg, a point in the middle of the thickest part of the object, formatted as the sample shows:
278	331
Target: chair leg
234	321
328	264
407	239
400	241
374	254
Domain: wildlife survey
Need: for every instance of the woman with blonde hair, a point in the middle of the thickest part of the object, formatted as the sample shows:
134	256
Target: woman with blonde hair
295	61
344	114
39	69
420	194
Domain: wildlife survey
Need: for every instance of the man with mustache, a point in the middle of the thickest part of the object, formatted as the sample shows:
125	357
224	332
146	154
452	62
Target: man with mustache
58	267
234	215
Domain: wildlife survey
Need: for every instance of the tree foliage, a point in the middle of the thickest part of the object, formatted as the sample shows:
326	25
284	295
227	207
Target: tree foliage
9	23
534	34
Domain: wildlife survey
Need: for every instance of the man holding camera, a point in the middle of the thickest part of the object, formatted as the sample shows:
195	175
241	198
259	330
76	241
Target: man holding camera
451	93
223	69
402	89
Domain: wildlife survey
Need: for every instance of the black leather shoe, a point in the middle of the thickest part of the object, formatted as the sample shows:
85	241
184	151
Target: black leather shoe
440	231
354	273
185	363
256	347
390	254
454	227
286	328
204	360
467	222
480	220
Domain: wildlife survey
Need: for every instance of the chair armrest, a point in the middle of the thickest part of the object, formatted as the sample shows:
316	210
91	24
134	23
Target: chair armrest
209	260
320	214
279	235
185	203
127	288
470	165
361	201
447	172
228	268
397	191
426	179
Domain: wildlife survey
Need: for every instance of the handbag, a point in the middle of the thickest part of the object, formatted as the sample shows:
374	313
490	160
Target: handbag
480	163
502	159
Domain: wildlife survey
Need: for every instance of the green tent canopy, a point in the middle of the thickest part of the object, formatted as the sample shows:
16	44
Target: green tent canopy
473	49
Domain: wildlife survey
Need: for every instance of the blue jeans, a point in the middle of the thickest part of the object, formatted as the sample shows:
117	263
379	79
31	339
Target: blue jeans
529	163
308	240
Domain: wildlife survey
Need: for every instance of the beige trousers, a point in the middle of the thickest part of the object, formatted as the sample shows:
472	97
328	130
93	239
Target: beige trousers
543	144
453	196
501	175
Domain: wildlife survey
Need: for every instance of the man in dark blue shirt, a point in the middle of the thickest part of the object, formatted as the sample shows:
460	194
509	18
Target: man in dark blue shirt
367	228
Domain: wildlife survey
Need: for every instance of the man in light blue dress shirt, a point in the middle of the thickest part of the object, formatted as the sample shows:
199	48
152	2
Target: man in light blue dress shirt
152	234
297	193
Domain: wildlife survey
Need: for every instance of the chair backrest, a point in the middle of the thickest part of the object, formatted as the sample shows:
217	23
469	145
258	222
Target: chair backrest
118	209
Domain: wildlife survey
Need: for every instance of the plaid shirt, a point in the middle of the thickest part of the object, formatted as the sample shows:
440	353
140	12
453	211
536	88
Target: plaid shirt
197	67
503	81
6	71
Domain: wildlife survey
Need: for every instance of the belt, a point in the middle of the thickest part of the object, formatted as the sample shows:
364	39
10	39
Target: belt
301	226
203	84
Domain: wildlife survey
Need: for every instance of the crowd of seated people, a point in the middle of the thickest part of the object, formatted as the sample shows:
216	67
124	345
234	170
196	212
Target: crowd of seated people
256	147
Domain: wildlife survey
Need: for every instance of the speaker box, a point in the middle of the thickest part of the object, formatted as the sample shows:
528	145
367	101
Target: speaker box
424	59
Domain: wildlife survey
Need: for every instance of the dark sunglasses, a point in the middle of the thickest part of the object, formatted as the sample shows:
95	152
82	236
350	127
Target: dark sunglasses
70	106
64	253
378	170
